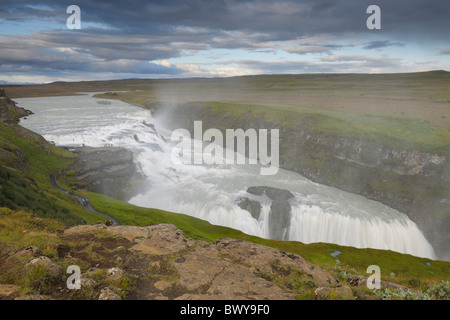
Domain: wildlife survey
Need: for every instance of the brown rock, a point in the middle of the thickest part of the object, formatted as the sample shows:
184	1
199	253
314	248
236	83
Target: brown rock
197	270
52	269
84	229
238	281
161	239
108	294
263	259
8	291
130	232
337	293
356	281
163	285
34	296
87	282
189	296
157	296
115	274
30	250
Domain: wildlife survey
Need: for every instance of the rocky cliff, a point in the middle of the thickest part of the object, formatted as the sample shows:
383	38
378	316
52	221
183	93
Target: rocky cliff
414	182
110	171
9	112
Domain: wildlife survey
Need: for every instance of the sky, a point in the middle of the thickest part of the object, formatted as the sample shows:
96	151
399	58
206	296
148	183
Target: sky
218	38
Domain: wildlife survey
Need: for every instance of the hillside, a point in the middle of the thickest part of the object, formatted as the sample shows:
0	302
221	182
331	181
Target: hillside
39	221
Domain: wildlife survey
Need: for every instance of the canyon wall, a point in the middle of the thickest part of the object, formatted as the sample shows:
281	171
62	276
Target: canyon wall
414	182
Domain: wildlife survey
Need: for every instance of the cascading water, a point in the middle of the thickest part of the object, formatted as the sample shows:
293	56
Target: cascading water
317	213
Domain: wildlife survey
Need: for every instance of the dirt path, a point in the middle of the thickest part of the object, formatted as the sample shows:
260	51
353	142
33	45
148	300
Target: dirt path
53	178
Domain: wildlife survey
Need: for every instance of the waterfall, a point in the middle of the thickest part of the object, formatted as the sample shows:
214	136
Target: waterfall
315	213
312	224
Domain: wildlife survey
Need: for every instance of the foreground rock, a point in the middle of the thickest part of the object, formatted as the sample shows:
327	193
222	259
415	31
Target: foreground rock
339	293
158	262
9	291
52	270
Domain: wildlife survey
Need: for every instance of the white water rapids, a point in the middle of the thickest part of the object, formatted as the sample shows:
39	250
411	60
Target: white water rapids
318	213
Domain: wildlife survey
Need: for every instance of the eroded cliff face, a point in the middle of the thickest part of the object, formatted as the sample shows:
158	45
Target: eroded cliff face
410	181
413	182
110	171
9	112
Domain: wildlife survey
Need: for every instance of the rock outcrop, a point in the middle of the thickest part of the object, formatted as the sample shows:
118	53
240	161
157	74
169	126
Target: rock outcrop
9	112
226	269
110	171
159	262
280	209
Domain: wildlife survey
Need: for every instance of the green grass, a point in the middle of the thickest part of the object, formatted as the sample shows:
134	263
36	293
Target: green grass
28	186
17	193
22	228
395	132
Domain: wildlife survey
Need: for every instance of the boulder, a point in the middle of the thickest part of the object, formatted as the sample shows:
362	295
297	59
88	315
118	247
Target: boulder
115	274
161	239
109	170
108	294
53	270
274	194
29	251
336	293
8	291
357	281
280	209
252	206
87	282
81	229
263	259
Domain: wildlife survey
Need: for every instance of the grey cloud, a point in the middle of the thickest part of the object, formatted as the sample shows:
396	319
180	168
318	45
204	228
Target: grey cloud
444	51
25	54
282	19
381	44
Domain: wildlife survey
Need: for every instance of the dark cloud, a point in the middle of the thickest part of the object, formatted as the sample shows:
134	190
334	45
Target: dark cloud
281	19
382	44
44	54
123	36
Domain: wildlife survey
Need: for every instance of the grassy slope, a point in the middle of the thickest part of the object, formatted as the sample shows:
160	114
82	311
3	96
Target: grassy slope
29	187
396	132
